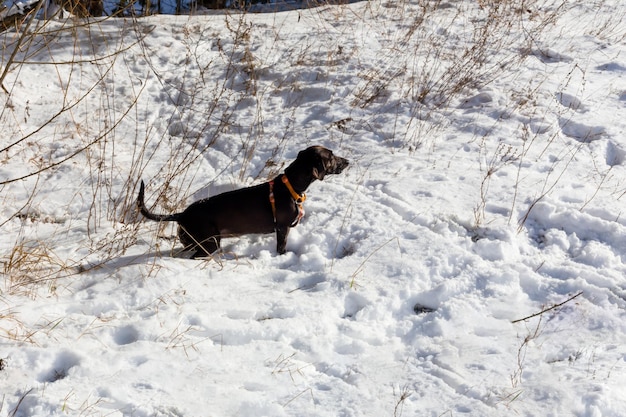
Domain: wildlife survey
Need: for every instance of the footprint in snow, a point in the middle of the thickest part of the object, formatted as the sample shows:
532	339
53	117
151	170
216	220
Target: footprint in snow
611	66
479	100
615	155
353	304
579	131
61	367
126	335
570	101
550	56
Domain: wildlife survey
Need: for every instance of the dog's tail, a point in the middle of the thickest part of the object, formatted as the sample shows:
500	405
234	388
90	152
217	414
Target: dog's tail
156	217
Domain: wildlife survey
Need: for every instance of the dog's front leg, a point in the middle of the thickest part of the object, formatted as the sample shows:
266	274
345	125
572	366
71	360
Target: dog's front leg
281	239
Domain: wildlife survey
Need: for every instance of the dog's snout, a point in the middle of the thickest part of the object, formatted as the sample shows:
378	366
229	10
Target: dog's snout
340	164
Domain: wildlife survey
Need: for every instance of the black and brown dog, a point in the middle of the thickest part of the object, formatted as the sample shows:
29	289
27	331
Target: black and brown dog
272	206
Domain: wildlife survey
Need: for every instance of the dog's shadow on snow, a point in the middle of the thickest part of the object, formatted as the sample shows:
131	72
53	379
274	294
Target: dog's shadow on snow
129	260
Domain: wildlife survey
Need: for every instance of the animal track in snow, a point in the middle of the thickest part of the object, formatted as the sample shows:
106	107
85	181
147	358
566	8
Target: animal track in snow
579	131
611	66
61	367
570	101
353	304
615	155
550	56
126	335
479	100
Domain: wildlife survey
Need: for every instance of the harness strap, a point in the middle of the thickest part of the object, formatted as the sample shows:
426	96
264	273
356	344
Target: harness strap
273	201
300	215
297	198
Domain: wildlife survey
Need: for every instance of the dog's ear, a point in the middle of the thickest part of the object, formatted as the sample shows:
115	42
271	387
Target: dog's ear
318	174
319	167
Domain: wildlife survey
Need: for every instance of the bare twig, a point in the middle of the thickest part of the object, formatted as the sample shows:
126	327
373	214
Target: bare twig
406	393
548	309
14	411
32	13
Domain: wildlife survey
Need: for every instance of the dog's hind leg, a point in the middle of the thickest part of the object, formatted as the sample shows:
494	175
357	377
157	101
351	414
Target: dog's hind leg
207	247
204	242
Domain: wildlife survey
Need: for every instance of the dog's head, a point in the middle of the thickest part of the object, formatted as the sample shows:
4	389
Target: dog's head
322	161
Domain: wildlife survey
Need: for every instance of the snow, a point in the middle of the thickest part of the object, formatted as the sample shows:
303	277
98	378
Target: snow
486	185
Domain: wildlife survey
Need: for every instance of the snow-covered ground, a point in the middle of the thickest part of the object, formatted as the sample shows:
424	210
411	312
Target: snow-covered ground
487	185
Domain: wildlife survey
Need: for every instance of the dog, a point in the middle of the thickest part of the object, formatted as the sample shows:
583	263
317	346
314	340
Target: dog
274	206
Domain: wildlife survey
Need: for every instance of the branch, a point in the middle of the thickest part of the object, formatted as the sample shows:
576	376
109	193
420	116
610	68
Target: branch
78	151
32	12
548	309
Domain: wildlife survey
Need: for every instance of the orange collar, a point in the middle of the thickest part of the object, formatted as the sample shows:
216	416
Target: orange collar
298	198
